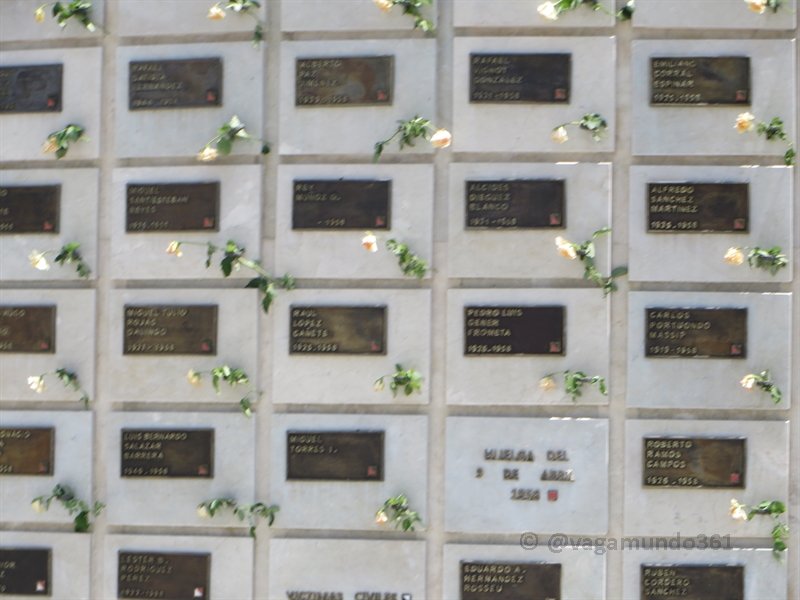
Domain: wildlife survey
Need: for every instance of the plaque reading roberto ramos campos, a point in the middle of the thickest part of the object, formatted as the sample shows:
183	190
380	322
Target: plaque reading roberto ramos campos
167	453
694	462
334	455
31	88
171	329
26	450
172	207
26	572
29	209
28	329
192	83
338	330
700	80
693	582
341	204
698	207
696	332
514	330
171	576
520	78
510	581
347	81
515	204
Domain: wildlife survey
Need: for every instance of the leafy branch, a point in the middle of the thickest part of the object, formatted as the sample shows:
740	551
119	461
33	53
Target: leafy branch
411	130
593	123
760	6
217	13
401	513
552	10
586	253
574	382
67	378
62	12
773	131
411	264
407	380
59	141
229	133
773	508
67	255
73	505
764	381
410	7
251	512
232	377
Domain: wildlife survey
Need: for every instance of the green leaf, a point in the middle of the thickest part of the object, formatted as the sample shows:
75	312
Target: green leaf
224	146
619	272
82	521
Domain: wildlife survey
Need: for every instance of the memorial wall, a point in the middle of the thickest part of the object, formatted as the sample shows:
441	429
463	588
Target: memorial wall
392	300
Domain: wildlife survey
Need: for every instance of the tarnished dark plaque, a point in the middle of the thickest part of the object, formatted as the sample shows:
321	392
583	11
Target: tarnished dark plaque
31	88
700	80
167	453
516	204
170	576
349	81
172	207
26	571
338	330
196	82
334	455
29	209
26	450
514	330
698	207
170	329
510	581
694	462
696	332
28	329
692	582
520	78
341	204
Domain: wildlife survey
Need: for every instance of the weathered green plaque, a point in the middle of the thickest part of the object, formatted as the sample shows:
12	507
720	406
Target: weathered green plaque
191	83
696	332
334	455
25	572
31	88
347	81
162	207
27	450
514	330
170	329
338	330
516	204
699	81
167	453
694	462
698	207
510	581
520	78
28	329
29	209
341	204
692	582
170	576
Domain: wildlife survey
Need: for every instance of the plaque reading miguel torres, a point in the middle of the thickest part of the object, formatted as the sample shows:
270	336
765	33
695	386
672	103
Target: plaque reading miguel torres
25	571
515	204
167	453
698	207
700	81
28	329
26	451
172	207
171	576
694	462
514	330
174	329
510	581
189	83
334	455
338	330
693	582
351	81
31	88
341	204
29	209
696	332
520	78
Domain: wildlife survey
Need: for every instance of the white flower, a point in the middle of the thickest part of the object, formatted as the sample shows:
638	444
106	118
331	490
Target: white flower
758	6
203	512
744	122
737	511
370	242
384	5
734	256
49	145
441	139
215	13
547	383
194	378
175	248
38	16
566	249
207	154
559	135
38	506
381	518
548	11
38	261
37	384
748	382
379	385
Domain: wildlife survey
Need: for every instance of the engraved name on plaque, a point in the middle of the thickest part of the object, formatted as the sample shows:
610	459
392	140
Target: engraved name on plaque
341	204
698	207
29	209
347	81
167	453
171	576
515	204
694	462
520	78
700	81
31	88
693	582
334	455
192	83
172	207
510	581
338	330
171	329
696	332
514	330
26	571
28	329
26	450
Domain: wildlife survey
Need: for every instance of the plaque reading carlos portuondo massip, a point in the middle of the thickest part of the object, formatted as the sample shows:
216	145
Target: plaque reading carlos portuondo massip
693	582
341	204
334	455
167	453
31	88
696	332
192	83
698	207
25	571
338	330
172	329
520	78
510	581
29	209
514	330
515	204
171	576
350	81
172	207
28	329
700	80
26	450
694	462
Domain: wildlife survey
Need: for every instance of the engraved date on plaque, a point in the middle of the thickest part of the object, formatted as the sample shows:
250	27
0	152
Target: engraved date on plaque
694	462
700	80
334	455
29	209
696	332
338	330
172	207
521	78
28	329
693	582
189	83
350	81
31	88
698	207
171	576
26	571
341	204
167	453
516	204
510	581
514	330
26	450
171	329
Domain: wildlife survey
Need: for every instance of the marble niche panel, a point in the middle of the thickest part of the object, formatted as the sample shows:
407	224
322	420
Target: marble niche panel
178	17
720	14
511	13
345	15
19	25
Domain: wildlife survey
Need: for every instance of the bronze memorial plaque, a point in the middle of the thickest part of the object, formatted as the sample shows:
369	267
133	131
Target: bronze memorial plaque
195	82
698	207
31	88
167	453
341	204
520	78
170	329
334	455
514	330
172	207
692	582
25	571
696	332
26	450
349	81
28	329
694	462
516	204
29	209
700	81
510	581
169	576
338	330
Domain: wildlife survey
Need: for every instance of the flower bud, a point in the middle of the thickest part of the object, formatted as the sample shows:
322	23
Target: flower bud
737	511
37	384
207	154
175	248
49	145
203	512
734	256
370	242
758	6
215	13
194	378
566	249
381	518
38	16
441	139
744	122
38	506
548	11
748	382
38	261
379	385
384	5
559	135
547	383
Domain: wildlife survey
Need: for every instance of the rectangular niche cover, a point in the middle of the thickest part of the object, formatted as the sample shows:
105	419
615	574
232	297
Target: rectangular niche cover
338	330
27	450
696	332
167	453
29	209
341	204
515	204
700	80
510	581
520	78
345	81
28	329
698	207
693	582
160	207
334	455
514	330
26	571
173	576
31	88
170	329
192	83
694	462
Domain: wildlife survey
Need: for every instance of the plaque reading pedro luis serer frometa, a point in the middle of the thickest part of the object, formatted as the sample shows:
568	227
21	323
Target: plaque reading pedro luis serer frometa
694	462
510	581
341	204
696	332
515	204
345	81
28	329
698	207
26	450
167	453
693	582
29	209
699	81
334	455
171	576
337	330
191	83
514	330
520	78
31	88
26	571
172	207
170	329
